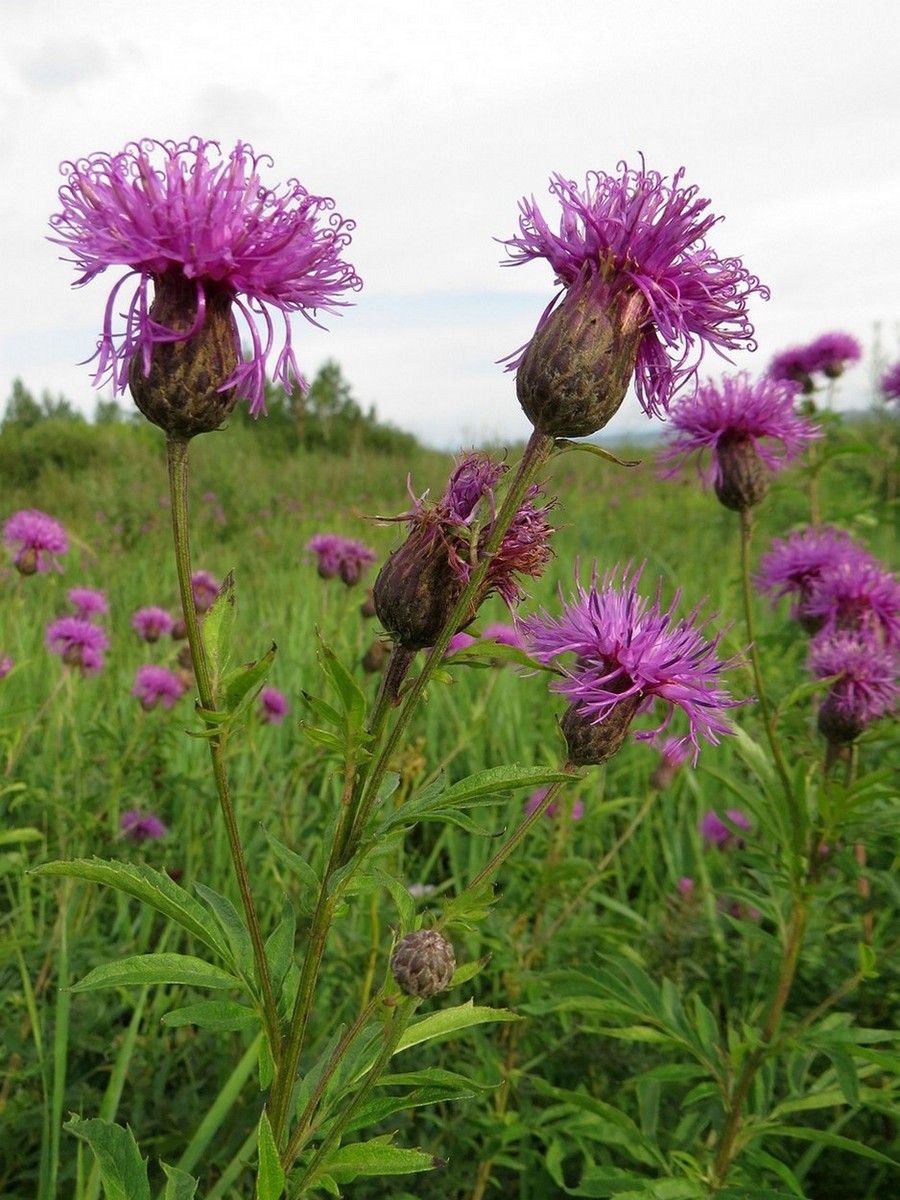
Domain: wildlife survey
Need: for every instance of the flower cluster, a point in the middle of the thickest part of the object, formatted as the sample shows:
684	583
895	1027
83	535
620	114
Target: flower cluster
644	297
35	540
203	241
340	556
829	355
79	644
750	429
628	654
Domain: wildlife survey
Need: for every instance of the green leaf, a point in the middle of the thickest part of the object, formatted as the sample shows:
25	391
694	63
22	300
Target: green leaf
152	887
563	445
17	836
123	1171
217	628
241	686
450	1021
179	1185
297	866
222	1016
157	968
824	1138
232	926
280	946
377	1157
378	1108
271	1178
351	696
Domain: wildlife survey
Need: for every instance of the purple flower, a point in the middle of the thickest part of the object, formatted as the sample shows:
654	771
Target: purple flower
459	641
673	753
890	382
796	563
716	832
79	643
156	685
746	426
341	556
87	602
536	798
179	215
858	595
273	705
139	828
832	353
36	540
634	245
866	688
685	886
630	653
502	633
6	665
205	588
152	623
792	366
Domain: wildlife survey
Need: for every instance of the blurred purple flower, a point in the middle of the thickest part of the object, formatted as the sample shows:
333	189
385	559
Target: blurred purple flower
205	588
716	832
6	665
341	556
890	382
155	685
141	828
79	643
685	886
536	798
273	705
502	633
637	244
795	564
87	602
832	353
866	688
628	651
857	595
673	753
36	540
459	641
152	623
179	213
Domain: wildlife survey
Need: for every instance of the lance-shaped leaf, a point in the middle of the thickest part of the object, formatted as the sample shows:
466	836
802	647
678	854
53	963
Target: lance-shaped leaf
123	1171
157	968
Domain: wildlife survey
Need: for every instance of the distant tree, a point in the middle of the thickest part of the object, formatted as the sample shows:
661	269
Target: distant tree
58	408
21	409
108	412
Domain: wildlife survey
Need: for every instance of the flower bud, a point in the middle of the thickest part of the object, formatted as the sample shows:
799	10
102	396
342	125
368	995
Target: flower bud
423	963
592	743
375	657
183	392
838	722
576	370
416	591
26	561
742	477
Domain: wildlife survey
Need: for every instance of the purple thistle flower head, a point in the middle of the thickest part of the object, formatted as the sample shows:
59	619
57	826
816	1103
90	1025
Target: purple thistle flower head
633	249
204	241
205	588
152	623
155	685
890	382
273	705
78	643
858	595
628	654
866	688
36	539
794	564
139	827
6	665
748	427
716	832
832	353
87	602
793	366
340	556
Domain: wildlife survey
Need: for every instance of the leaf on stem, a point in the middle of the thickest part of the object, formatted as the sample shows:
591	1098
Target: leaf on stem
122	1169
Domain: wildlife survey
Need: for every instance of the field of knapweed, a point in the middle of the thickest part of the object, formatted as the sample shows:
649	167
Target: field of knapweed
384	824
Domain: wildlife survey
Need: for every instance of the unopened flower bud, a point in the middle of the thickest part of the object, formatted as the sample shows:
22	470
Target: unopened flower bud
593	743
423	963
743	480
576	370
183	392
26	561
416	591
374	658
367	608
837	722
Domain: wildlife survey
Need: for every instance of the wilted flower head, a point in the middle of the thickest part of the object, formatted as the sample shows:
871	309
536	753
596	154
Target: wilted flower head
866	688
273	705
204	588
36	540
421	583
857	595
716	832
156	685
87	602
646	293
535	800
138	827
890	382
748	427
341	556
152	623
79	643
629	653
214	243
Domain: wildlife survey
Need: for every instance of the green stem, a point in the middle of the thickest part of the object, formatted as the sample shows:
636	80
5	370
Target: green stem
177	458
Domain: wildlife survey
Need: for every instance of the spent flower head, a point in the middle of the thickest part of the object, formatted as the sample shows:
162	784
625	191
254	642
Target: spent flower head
79	644
645	295
203	242
35	540
628	654
88	602
866	685
155	685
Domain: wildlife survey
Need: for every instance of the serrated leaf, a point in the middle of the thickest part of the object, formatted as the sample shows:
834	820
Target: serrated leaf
270	1174
232	926
122	1169
241	686
157	968
153	888
377	1157
222	1016
450	1021
351	696
295	864
217	628
179	1185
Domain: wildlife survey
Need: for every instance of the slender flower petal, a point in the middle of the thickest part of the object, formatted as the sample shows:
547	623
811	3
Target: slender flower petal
78	643
155	685
36	540
180	211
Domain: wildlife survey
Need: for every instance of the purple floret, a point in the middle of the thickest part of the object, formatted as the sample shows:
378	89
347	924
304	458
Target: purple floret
152	623
716	832
36	540
79	644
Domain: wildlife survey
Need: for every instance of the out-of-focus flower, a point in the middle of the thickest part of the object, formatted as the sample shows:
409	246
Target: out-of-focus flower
78	643
273	705
866	688
750	429
829	354
341	556
152	623
205	588
87	602
685	886
673	753
139	827
204	242
502	633
795	564
155	685
628	654
6	665
535	800
792	366
859	596
644	297
890	382
421	583
716	832
460	641
36	540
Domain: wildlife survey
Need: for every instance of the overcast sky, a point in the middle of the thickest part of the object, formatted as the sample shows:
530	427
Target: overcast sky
427	121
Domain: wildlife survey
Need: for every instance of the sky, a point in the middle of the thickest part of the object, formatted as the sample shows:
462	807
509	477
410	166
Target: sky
427	122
